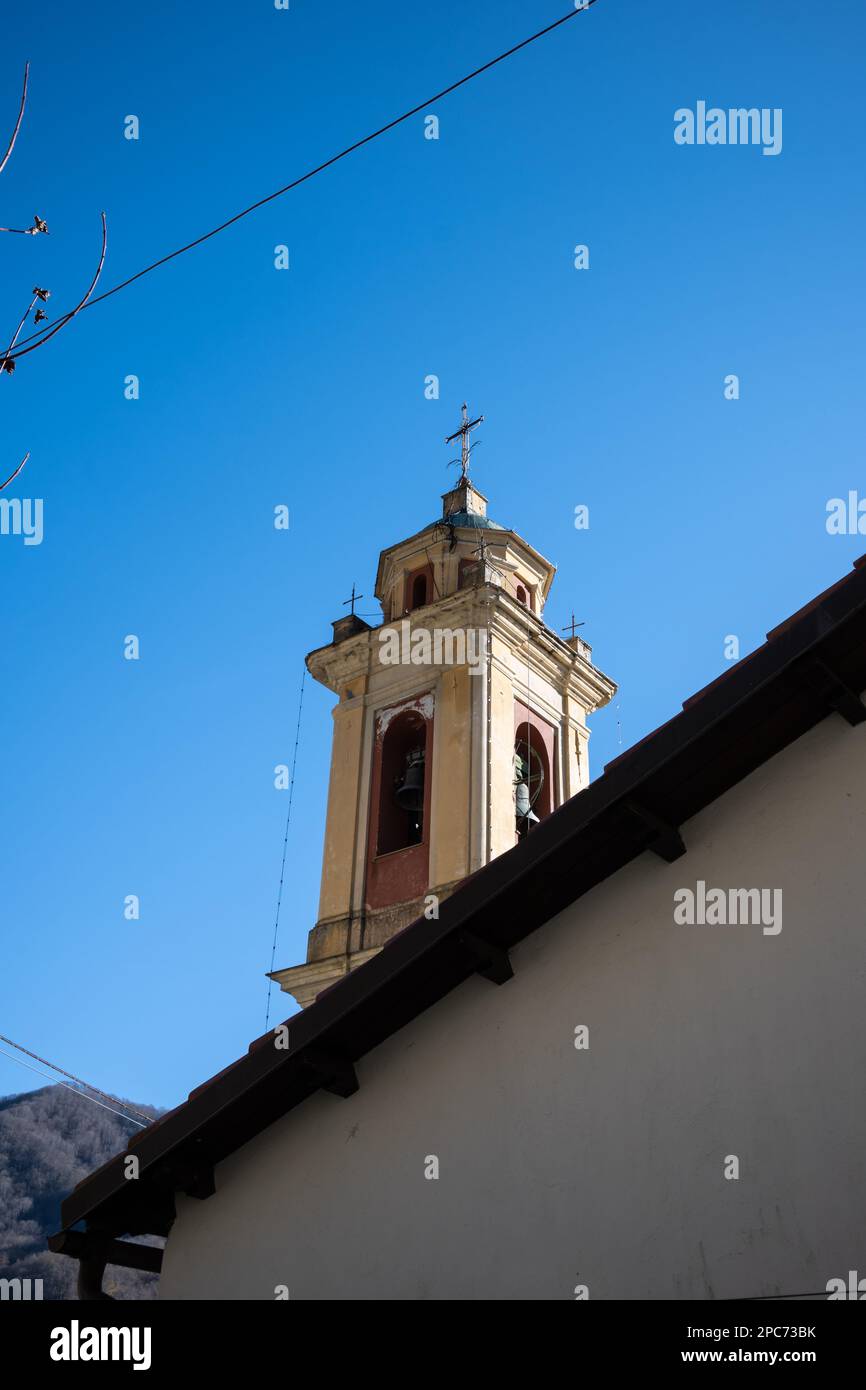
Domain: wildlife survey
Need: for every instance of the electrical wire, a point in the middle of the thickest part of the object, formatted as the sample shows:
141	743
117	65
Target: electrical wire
285	845
75	1092
72	1077
35	339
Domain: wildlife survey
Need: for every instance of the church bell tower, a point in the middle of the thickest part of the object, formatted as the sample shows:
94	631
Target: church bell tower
460	723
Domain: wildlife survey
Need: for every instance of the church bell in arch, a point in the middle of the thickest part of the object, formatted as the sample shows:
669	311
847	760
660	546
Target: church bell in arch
409	791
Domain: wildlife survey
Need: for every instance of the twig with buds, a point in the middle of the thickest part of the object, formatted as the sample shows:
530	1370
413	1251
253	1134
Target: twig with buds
40	296
39	225
7	362
67	318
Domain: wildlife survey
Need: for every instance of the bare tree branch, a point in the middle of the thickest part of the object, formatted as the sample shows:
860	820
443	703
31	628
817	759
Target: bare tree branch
18	122
61	323
7	363
24	318
39	225
13	476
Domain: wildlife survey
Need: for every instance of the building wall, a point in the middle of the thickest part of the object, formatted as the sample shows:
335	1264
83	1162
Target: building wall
450	773
343	788
605	1166
501	755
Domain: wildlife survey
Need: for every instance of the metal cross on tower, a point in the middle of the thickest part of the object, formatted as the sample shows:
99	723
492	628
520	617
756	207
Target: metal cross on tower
482	555
573	625
352	599
463	435
481	549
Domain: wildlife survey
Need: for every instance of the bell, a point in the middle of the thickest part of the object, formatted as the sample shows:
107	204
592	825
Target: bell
409	793
523	805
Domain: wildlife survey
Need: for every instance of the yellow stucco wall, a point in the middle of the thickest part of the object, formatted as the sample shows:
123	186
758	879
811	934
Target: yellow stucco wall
340	827
501	760
573	766
452	764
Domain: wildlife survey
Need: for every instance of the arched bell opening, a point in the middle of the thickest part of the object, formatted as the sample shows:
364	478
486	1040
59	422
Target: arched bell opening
402	783
418	589
533	786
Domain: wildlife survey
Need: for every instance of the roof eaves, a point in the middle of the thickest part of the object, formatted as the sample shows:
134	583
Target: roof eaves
724	732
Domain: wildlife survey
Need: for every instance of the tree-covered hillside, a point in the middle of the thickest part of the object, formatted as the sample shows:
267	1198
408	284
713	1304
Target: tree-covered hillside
49	1140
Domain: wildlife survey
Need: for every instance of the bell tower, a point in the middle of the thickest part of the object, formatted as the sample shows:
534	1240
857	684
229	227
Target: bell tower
460	723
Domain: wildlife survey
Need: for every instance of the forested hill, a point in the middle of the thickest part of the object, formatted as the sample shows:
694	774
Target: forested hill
49	1140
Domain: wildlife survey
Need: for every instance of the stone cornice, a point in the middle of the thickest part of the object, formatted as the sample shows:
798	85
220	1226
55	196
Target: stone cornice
550	657
510	622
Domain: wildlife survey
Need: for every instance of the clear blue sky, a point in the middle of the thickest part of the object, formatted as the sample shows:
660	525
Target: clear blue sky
306	387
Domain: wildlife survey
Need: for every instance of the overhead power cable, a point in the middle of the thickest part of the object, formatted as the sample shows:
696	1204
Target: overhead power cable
285	846
148	1119
35	339
73	1089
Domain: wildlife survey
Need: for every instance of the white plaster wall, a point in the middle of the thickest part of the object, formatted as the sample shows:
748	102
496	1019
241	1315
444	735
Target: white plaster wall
602	1167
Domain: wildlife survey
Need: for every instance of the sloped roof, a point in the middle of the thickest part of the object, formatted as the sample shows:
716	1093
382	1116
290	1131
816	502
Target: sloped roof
469	519
812	664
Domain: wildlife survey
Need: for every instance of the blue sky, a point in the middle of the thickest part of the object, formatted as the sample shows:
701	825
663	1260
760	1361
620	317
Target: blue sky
306	387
